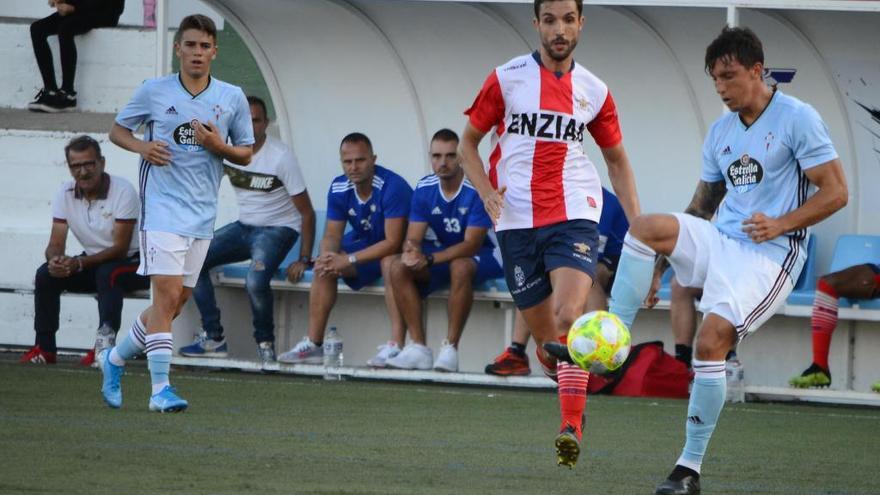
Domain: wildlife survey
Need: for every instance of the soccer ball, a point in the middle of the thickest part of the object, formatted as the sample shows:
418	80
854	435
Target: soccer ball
599	342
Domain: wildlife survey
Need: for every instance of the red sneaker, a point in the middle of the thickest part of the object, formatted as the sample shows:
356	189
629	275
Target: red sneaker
88	359
37	356
509	363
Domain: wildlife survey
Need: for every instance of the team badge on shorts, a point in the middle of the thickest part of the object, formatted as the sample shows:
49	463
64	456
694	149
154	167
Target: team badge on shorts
519	276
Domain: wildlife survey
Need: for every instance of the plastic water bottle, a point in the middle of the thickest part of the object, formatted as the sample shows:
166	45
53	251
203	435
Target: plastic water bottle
333	358
735	385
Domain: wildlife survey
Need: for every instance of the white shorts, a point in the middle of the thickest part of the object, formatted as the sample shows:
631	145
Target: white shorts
163	253
739	284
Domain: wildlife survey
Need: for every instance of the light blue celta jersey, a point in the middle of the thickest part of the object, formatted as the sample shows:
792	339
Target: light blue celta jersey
763	166
181	198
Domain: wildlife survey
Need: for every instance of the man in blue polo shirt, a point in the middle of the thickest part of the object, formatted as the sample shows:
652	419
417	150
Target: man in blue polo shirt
375	202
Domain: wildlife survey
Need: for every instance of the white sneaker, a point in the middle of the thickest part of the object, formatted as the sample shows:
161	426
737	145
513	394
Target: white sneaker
386	352
303	352
412	357
447	360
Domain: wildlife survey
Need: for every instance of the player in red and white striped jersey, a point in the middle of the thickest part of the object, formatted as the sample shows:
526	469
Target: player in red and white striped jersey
543	192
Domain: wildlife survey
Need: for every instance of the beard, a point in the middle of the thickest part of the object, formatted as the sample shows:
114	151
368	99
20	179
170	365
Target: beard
559	57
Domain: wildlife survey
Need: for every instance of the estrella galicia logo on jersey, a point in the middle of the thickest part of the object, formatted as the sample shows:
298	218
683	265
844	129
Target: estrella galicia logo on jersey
185	136
745	174
547	125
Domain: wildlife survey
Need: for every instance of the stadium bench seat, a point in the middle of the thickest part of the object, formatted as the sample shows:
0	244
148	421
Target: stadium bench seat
854	250
805	287
239	270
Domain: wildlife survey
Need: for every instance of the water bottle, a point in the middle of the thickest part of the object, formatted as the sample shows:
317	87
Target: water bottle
735	385
333	358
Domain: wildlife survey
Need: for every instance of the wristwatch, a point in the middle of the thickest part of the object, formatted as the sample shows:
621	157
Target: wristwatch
429	259
352	259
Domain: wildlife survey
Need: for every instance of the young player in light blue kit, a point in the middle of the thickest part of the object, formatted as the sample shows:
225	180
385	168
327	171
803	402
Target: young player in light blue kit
188	119
761	158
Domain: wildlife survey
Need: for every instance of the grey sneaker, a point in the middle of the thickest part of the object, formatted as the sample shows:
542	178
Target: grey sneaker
304	352
266	351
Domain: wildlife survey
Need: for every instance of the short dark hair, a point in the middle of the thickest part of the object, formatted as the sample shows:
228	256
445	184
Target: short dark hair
357	137
257	101
82	143
197	21
740	44
538	3
445	135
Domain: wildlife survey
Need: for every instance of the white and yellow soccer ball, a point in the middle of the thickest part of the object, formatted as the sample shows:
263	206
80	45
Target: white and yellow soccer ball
599	342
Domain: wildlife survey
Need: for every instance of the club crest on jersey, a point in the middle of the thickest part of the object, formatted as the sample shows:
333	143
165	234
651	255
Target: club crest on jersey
582	103
547	126
768	140
185	136
745	174
463	210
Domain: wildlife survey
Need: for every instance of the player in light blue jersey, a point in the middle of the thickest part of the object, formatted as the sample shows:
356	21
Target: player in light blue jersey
192	122
446	245
374	202
761	158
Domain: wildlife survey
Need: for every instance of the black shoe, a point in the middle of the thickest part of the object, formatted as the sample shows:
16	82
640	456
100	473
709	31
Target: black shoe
43	98
559	351
61	102
682	481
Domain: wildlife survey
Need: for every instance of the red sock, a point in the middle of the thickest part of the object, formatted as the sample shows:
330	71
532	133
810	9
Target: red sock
572	392
823	322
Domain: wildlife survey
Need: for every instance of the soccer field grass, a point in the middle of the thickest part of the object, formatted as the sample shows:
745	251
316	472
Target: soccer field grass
249	433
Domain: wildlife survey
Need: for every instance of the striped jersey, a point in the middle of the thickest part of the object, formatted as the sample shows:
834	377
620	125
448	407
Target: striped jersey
390	198
448	218
763	167
540	119
181	198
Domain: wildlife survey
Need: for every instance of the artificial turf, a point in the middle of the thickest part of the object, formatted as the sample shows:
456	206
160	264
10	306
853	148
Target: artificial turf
250	433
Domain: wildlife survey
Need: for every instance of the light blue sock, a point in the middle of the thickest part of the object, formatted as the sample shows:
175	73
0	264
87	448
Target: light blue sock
633	279
707	399
159	359
130	345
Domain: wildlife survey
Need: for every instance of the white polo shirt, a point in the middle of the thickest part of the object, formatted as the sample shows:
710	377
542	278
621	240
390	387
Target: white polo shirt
264	187
92	222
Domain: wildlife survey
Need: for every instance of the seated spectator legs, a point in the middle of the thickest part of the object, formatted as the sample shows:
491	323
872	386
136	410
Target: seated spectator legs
855	282
461	299
407	281
514	360
48	286
683	317
266	247
67	22
229	245
269	246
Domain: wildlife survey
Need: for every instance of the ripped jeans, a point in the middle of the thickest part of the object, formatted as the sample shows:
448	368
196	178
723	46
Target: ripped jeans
266	247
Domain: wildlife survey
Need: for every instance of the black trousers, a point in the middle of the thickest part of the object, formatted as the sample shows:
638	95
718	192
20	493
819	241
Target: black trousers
66	27
110	280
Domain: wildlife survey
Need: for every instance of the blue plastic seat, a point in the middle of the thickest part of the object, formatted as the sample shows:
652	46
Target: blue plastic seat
805	287
665	292
854	250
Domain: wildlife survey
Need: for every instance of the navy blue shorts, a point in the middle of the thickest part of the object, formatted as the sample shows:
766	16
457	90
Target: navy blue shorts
531	254
368	272
488	268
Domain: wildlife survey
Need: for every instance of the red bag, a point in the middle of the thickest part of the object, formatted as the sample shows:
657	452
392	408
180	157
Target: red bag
647	372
